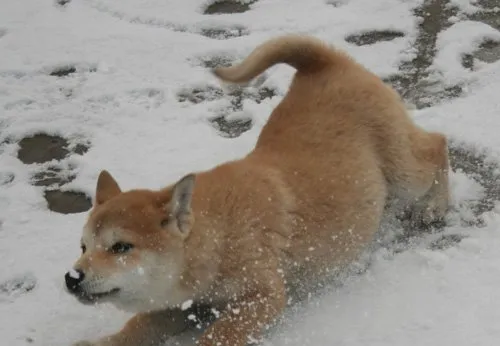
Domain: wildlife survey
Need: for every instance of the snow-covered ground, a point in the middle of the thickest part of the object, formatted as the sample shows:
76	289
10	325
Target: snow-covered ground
132	59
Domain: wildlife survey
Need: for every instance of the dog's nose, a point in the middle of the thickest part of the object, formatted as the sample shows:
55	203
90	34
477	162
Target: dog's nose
73	280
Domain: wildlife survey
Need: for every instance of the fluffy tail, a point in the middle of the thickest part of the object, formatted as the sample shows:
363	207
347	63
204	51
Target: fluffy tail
301	52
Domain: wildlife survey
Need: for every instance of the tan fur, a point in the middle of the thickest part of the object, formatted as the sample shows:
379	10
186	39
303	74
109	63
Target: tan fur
307	199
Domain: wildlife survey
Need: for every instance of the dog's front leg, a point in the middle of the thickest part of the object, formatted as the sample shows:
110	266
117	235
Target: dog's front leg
244	318
144	329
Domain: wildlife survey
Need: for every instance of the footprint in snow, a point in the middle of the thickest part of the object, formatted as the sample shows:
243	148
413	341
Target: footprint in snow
42	148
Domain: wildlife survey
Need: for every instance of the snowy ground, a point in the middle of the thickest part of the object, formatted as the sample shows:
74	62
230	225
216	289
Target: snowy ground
132	60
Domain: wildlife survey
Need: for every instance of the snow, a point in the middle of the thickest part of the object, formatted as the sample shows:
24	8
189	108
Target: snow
132	58
73	274
140	270
186	305
465	6
452	43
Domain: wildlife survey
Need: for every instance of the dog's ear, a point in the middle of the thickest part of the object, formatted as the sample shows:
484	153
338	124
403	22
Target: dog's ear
178	204
107	188
182	194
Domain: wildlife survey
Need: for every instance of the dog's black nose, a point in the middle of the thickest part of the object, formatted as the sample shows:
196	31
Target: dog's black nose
73	280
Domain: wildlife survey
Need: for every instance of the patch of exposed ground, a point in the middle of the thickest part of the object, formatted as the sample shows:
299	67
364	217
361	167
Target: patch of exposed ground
488	52
42	148
489	13
227	127
224	33
228	6
412	80
372	37
67	202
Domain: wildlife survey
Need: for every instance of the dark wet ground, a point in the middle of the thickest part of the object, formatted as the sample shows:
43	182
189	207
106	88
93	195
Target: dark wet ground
227	7
372	37
42	148
67	202
412	80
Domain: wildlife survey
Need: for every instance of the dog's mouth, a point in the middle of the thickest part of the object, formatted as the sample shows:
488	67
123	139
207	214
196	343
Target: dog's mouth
90	298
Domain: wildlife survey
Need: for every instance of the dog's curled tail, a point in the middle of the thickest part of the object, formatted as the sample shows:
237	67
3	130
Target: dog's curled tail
301	52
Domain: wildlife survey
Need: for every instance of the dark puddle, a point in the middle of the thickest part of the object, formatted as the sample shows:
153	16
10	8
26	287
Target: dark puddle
42	148
227	7
67	202
373	37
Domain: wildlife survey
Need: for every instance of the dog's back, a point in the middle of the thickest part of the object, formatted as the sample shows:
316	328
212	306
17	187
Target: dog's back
321	138
343	142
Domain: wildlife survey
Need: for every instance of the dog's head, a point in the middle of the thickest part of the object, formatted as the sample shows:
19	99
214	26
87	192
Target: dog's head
132	246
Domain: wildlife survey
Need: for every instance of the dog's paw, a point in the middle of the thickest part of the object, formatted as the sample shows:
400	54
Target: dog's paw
430	215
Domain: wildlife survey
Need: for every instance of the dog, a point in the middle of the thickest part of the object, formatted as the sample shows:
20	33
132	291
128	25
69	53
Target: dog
308	198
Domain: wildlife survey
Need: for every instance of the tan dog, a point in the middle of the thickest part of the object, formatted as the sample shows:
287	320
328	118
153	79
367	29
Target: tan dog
307	199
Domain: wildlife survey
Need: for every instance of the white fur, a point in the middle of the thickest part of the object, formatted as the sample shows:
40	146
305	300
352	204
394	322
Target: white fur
152	284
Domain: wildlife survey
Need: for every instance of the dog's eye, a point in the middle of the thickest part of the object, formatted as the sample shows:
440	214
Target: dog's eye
121	247
84	248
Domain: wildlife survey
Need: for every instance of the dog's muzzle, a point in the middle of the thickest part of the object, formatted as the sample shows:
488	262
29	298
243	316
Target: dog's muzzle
74	279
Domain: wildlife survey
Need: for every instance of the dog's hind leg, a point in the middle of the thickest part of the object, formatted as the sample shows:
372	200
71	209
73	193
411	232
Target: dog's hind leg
419	174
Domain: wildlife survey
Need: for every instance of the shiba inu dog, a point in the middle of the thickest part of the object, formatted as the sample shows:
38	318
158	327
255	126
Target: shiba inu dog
308	198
